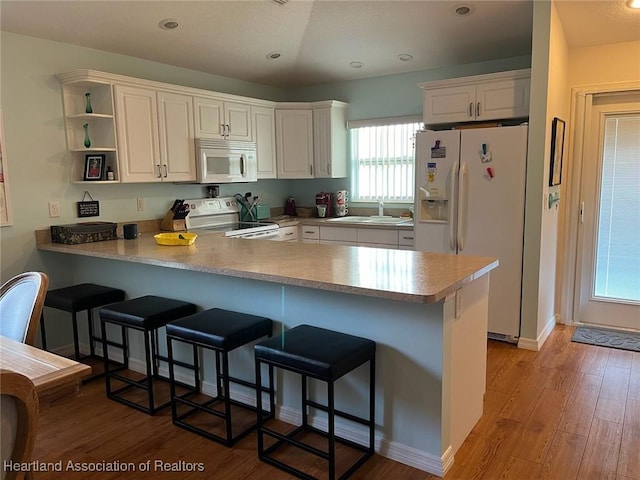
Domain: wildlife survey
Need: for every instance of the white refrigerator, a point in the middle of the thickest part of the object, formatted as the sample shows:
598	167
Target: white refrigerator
470	192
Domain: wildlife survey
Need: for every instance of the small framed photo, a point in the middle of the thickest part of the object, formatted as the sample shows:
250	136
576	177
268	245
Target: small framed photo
94	167
557	151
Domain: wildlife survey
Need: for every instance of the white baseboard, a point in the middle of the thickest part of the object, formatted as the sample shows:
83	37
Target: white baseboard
536	345
356	433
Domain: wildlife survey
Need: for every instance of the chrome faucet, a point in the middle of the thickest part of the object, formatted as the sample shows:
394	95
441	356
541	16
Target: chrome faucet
380	209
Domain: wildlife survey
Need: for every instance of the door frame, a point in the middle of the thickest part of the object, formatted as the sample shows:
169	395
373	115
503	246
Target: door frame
581	109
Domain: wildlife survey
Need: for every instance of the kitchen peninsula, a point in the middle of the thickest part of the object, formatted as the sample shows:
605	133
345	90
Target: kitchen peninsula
427	313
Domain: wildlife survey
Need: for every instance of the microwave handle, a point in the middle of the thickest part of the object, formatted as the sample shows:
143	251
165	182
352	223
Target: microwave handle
242	165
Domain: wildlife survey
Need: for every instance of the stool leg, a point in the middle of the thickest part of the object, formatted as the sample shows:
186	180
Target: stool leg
76	342
304	399
332	439
196	368
372	403
172	385
218	375
227	396
148	360
105	357
42	332
260	420
125	347
92	349
154	352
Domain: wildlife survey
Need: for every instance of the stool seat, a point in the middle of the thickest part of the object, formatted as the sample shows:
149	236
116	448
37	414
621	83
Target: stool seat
82	297
149	312
77	298
318	352
221	329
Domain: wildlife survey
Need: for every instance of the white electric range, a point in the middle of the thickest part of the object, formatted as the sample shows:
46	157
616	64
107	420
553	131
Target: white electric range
221	215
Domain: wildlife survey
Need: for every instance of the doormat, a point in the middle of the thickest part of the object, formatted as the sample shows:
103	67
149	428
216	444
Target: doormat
607	338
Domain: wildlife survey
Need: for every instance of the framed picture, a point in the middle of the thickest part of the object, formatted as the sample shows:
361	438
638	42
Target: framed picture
6	217
94	167
557	151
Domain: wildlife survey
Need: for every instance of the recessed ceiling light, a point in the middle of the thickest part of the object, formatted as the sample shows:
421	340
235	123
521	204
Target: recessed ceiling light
405	57
168	24
633	3
356	64
463	10
273	55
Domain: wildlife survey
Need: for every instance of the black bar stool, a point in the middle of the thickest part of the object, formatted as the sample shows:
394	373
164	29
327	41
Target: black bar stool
324	355
220	331
145	314
74	299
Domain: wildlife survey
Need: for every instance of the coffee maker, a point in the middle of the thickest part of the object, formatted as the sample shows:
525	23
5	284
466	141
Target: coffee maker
325	198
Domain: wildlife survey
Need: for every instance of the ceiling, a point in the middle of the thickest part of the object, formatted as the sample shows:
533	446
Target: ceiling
317	39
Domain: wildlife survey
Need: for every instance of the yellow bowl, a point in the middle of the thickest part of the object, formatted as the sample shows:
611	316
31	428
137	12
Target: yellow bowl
176	238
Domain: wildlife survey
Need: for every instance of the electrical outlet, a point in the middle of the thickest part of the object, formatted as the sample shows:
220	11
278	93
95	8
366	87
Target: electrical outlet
54	209
140	203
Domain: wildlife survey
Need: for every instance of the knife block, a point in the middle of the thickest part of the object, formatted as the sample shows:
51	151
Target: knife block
168	224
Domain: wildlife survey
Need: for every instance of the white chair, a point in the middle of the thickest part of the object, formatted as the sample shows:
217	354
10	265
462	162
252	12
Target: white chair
21	302
19	411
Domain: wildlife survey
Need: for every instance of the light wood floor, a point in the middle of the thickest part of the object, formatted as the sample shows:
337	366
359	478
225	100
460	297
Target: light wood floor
570	411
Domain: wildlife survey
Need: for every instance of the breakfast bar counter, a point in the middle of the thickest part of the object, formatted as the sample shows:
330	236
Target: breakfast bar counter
427	313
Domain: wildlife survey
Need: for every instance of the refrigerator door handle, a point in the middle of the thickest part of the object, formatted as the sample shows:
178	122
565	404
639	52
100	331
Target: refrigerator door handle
462	208
452	206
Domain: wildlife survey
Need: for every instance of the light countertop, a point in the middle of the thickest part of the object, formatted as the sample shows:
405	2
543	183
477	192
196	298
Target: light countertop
402	275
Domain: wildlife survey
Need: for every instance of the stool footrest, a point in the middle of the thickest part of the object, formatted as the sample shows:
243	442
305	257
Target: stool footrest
338	413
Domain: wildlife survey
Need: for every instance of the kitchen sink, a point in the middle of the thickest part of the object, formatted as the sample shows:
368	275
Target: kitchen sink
371	220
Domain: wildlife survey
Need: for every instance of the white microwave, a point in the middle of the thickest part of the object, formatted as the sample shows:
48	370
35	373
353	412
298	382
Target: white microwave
225	161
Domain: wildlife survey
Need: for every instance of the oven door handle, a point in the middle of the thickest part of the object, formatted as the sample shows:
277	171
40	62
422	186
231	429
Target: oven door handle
260	235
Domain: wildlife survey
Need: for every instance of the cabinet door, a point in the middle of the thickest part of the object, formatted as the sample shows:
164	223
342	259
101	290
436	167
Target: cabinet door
238	120
449	105
294	143
381	236
177	145
503	99
329	142
209	118
264	134
345	235
137	133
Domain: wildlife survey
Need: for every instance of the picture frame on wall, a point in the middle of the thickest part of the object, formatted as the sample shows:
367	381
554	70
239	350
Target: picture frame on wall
557	151
6	216
94	167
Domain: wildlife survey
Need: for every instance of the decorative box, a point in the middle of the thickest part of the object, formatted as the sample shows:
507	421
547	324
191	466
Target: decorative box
83	232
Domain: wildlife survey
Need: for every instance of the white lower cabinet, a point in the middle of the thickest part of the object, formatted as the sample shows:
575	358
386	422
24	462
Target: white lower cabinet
310	233
287	234
391	238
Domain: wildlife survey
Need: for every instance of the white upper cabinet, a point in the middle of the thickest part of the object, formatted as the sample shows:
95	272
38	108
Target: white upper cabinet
264	134
155	135
330	140
177	145
223	120
311	139
496	96
294	142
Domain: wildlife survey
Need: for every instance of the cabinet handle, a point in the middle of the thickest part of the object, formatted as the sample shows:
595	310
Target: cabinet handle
223	130
478	109
228	130
166	171
159	173
471	109
310	169
242	164
287	234
329	169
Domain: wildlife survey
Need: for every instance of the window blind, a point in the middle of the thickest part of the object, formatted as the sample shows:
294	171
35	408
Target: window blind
382	159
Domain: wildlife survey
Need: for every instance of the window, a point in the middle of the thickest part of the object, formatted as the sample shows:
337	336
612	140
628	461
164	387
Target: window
382	159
